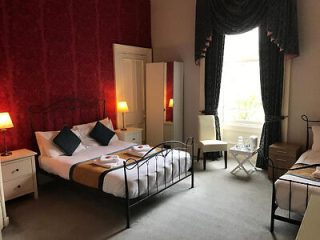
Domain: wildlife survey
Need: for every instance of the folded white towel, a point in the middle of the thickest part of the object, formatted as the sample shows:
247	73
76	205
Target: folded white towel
108	159
316	173
141	148
139	153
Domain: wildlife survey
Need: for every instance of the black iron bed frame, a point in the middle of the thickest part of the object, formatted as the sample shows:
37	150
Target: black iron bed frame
74	108
274	206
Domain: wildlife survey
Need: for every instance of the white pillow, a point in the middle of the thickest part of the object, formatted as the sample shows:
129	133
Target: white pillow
85	129
48	148
316	138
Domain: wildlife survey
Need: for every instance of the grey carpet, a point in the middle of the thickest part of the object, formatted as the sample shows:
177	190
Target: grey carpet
221	206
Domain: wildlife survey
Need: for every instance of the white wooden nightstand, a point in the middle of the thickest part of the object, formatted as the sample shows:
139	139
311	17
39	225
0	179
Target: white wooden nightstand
130	135
19	174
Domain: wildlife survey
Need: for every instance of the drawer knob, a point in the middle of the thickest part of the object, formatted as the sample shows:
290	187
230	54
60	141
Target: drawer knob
17	170
133	139
19	186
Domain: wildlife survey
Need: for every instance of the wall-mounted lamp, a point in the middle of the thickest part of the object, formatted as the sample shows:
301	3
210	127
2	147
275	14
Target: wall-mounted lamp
5	123
123	107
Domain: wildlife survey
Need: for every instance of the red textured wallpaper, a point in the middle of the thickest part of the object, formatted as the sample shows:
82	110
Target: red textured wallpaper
53	49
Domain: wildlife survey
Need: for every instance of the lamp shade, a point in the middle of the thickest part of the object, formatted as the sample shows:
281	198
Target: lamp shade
170	103
123	106
5	121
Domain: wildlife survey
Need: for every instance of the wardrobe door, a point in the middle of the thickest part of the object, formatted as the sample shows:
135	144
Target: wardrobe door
155	75
177	130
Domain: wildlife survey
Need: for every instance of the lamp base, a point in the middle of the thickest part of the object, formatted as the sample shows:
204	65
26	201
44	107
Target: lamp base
6	154
123	129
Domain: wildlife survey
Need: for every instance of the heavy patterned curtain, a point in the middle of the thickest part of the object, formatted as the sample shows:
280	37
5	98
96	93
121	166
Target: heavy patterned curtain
213	71
271	80
278	35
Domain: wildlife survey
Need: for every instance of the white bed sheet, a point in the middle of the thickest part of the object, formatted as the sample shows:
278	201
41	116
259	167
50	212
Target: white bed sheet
298	191
114	182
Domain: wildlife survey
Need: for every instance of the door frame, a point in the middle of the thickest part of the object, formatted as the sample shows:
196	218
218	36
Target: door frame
141	54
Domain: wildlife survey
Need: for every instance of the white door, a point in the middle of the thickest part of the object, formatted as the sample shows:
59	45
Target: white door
129	65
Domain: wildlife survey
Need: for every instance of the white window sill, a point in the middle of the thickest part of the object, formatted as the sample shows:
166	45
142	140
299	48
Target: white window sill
237	125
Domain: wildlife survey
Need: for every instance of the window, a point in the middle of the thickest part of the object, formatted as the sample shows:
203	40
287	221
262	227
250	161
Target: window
240	99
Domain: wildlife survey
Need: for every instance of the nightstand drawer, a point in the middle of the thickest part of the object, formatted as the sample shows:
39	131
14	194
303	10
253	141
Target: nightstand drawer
283	156
133	137
18	187
15	169
283	153
282	161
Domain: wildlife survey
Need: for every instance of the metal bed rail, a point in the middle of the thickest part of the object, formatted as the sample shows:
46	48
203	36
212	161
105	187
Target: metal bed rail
164	162
274	206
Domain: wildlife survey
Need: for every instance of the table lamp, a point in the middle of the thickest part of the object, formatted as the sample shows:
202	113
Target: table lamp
123	107
170	103
5	123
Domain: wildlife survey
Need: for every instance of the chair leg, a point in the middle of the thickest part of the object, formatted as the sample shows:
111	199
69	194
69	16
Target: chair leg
204	161
225	159
198	156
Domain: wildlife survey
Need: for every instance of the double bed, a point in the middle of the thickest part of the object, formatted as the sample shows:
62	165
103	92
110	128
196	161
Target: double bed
134	180
292	191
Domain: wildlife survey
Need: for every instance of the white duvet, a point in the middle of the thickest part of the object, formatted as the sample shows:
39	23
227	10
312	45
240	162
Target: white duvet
167	168
298	190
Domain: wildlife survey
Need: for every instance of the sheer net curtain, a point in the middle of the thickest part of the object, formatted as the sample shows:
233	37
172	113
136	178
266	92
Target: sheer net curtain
278	23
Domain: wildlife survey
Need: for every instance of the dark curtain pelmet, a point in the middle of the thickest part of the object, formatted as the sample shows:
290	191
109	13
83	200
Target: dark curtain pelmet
213	72
237	16
282	25
271	80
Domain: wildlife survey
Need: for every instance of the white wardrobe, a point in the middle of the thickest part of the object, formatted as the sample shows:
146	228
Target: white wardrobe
164	102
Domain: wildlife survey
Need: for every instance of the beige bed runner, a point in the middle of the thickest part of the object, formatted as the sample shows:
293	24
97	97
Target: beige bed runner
89	174
303	171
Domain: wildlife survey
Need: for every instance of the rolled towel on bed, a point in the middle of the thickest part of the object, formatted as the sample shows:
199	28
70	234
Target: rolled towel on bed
316	173
108	159
141	148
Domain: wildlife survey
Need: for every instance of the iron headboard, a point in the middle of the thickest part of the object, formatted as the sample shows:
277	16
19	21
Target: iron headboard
65	112
309	125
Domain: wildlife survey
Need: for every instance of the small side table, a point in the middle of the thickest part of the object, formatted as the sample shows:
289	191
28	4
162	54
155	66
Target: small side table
133	135
19	174
243	155
283	156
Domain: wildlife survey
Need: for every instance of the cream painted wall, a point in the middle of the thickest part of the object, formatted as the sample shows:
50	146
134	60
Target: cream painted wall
172	33
305	75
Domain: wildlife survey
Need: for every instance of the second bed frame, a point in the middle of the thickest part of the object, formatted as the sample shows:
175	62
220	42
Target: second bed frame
274	206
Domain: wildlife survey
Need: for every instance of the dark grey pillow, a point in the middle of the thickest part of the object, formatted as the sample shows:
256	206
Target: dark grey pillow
101	134
67	141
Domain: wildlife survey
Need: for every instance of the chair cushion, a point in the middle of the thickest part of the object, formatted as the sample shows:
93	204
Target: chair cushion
213	145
